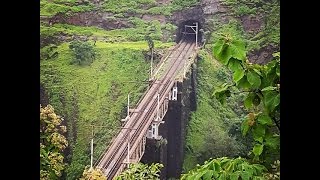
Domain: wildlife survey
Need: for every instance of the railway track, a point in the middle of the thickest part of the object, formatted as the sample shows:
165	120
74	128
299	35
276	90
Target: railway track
138	124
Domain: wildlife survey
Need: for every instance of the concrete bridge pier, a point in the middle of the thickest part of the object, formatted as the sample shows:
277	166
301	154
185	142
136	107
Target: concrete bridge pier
168	150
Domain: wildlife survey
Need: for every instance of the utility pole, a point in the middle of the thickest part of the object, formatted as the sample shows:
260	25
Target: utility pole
128	108
151	64
194	30
197	34
128	142
91	147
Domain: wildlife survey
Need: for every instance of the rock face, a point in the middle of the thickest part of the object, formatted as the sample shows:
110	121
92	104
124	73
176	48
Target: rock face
195	14
252	23
263	55
160	18
103	20
211	7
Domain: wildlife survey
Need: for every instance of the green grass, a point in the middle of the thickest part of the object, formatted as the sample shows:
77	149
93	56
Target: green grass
118	7
146	6
208	130
136	33
62	6
125	6
94	94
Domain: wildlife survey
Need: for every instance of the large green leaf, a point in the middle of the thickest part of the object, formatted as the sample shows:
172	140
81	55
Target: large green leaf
234	64
253	79
200	174
224	55
238	49
271	99
245	176
223	176
272	141
259	168
208	175
257	149
258	131
264	119
218	46
245	127
243	83
224	51
234	176
217	166
236	67
248	100
238	75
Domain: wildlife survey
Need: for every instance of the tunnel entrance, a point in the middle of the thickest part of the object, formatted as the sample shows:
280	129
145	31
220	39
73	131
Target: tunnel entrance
187	29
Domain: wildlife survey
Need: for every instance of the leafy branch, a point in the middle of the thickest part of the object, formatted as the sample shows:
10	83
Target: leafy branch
262	82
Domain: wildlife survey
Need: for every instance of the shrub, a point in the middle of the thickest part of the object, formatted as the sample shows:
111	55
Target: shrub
83	52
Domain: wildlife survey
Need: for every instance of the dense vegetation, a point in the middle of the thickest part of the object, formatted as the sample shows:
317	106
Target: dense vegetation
141	171
262	121
263	100
266	12
52	144
213	130
119	7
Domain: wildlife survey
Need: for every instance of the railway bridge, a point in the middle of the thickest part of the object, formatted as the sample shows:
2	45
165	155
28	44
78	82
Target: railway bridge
143	121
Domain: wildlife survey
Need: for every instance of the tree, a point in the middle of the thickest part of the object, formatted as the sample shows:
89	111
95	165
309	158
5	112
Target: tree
225	168
52	144
262	85
92	174
151	47
83	52
141	171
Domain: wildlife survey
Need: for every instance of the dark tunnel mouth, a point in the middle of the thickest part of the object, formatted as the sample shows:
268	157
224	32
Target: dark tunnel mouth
188	37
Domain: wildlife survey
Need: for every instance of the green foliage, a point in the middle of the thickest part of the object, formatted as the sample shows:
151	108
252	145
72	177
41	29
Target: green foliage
262	102
153	28
92	174
161	10
52	144
63	7
123	6
225	168
48	52
82	51
275	171
212	130
146	6
141	171
267	12
185	3
233	27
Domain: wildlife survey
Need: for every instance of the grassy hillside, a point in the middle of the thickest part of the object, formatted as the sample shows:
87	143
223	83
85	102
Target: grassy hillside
212	130
118	7
94	94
